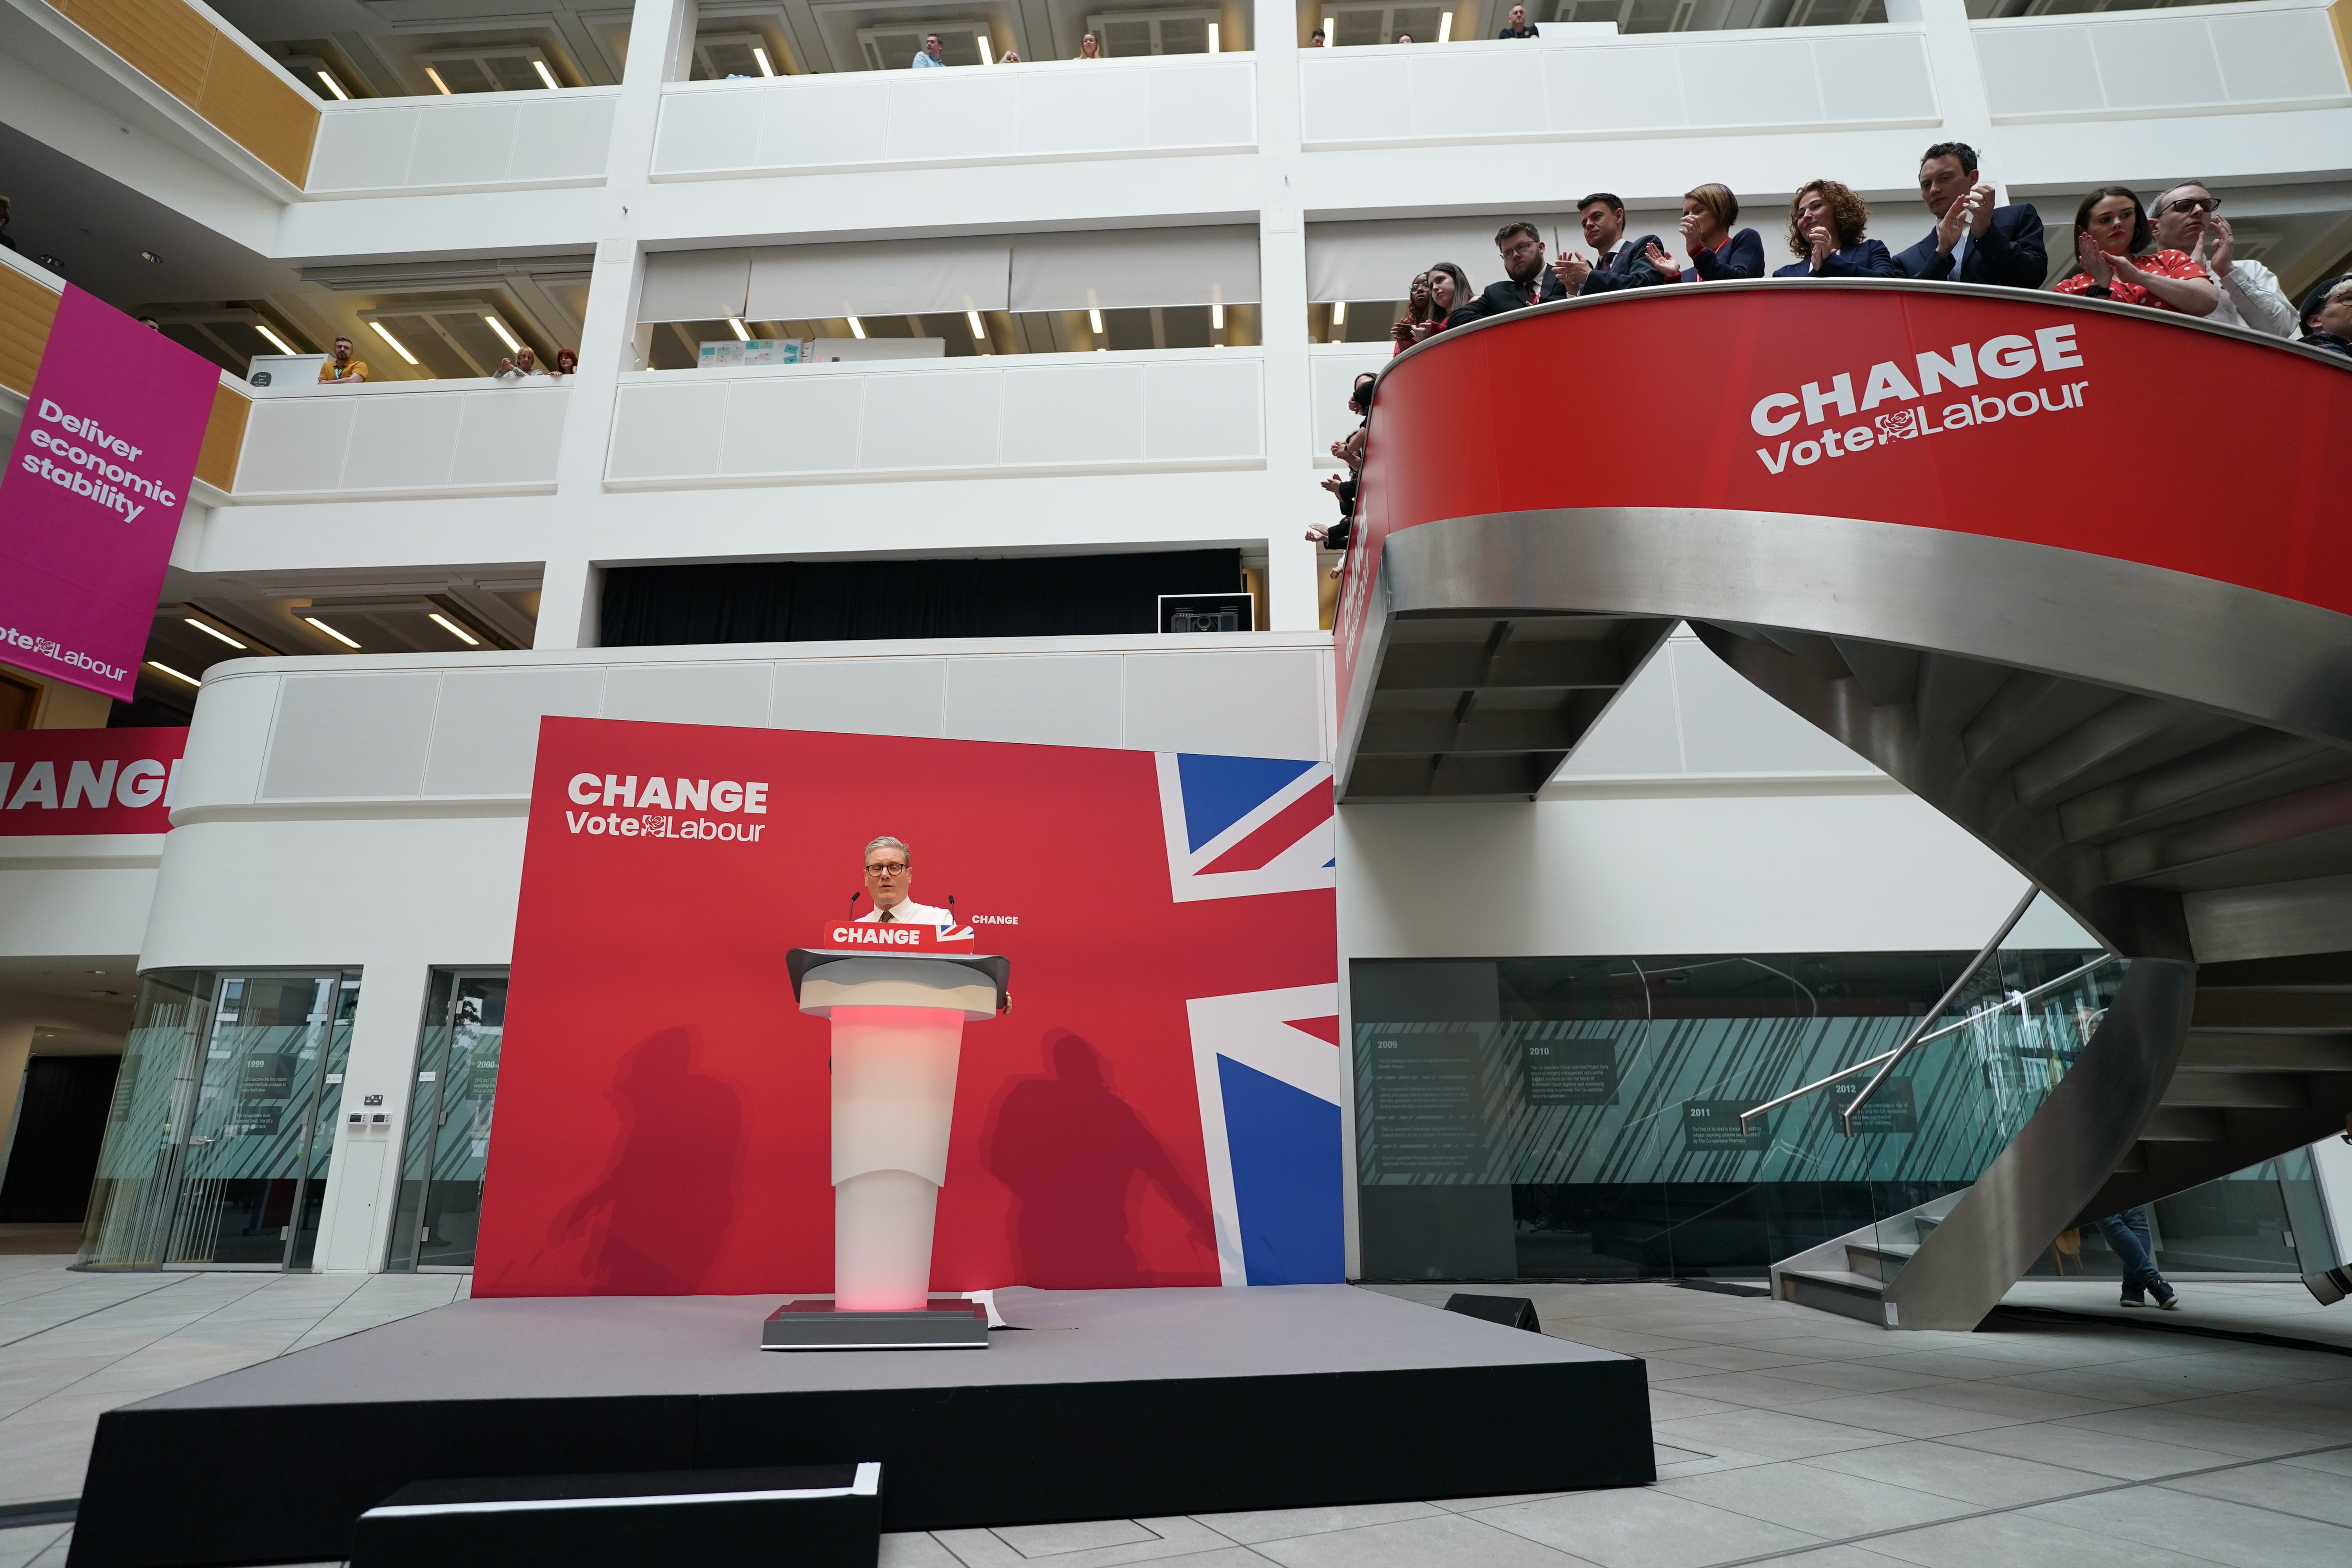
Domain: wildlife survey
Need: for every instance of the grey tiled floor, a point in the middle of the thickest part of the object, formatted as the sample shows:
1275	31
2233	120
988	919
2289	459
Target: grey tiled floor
1785	1437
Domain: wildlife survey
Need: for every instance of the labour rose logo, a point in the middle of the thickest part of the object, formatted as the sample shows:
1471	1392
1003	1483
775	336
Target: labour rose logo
1904	424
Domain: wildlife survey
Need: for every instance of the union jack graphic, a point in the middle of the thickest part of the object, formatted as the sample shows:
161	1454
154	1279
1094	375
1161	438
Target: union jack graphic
1238	826
1268	1064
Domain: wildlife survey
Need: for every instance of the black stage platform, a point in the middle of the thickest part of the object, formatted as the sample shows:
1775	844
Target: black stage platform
1097	1404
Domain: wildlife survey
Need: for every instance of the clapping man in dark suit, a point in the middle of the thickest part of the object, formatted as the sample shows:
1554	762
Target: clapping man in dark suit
1620	264
1973	241
1525	279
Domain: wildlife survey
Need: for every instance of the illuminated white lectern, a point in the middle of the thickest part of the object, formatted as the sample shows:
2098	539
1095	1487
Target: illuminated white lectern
898	1015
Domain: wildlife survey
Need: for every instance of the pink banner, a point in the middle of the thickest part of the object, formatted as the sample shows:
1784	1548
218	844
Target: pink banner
90	501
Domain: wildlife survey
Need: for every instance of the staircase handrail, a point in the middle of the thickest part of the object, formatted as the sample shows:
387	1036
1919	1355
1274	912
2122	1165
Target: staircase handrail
1887	1061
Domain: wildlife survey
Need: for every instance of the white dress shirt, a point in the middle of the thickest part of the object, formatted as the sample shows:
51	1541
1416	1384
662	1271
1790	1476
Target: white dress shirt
2251	297
909	912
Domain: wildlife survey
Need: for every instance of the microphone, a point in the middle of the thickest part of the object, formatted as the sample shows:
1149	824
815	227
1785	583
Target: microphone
855	897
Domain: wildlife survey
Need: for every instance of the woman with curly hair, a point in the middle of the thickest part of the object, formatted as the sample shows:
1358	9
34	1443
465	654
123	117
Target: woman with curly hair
1407	331
2111	231
1825	224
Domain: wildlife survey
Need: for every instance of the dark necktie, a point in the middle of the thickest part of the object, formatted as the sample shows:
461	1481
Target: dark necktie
887	917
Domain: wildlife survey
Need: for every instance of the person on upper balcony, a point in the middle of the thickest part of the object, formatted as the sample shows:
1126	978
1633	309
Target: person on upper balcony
2114	259
1973	240
1088	50
1407	331
1716	252
2327	324
1619	265
1450	302
928	56
1525	279
340	366
1520	26
1825	233
2187	218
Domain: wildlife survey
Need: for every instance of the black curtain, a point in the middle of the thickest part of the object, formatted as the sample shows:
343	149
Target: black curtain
856	600
60	1125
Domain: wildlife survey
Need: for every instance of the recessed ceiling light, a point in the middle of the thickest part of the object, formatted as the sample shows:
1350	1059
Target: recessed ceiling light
341	97
378	328
544	74
761	55
150	255
331	631
280	344
159	664
211	631
505	336
453	629
438	82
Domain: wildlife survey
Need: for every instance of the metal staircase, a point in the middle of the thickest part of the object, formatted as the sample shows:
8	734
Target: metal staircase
2168	755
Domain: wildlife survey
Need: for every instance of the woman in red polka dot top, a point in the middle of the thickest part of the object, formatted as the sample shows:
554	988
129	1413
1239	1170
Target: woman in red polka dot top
2110	231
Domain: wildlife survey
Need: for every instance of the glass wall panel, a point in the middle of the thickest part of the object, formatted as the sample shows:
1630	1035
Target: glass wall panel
130	1202
449	1140
219	1139
1578	1118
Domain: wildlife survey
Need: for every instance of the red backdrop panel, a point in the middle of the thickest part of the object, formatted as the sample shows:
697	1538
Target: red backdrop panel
662	1109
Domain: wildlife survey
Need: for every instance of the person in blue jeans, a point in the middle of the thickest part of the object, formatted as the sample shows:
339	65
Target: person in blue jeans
2134	1243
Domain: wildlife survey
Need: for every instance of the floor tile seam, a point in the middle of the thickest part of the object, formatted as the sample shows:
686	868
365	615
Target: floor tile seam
2165	1483
2118	1486
109	1307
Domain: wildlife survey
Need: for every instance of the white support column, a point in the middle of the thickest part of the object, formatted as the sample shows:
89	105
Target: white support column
661	33
1959	80
363	1173
1292	498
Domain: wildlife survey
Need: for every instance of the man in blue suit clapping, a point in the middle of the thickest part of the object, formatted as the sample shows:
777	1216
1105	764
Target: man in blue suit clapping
1973	241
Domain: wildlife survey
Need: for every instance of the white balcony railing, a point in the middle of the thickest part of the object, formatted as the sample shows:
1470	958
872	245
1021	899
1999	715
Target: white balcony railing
402	438
1053	109
2218	59
1058	413
478	141
1842	78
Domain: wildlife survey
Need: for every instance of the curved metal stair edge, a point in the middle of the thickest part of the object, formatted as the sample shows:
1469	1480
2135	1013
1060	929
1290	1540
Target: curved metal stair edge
2034	1188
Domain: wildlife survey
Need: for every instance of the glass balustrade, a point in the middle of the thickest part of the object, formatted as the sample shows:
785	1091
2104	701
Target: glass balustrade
1577	1119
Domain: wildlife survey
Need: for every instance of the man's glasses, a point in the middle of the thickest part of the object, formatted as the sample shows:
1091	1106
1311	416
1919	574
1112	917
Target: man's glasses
885	867
2194	203
1522	247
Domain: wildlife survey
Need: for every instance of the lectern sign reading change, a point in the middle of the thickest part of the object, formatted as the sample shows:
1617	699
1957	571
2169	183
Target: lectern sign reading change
91	498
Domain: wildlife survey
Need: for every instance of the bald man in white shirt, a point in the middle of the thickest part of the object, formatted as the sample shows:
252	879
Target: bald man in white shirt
889	871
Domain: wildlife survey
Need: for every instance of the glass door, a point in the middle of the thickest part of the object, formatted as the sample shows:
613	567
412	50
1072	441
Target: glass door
258	1130
448	1143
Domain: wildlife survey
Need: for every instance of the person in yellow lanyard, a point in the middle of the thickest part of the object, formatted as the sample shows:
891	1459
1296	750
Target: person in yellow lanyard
344	367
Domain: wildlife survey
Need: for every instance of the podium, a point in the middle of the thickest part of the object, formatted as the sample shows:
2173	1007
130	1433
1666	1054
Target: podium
898	1020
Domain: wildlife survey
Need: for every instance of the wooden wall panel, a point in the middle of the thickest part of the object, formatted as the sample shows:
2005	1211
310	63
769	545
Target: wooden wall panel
179	49
224	438
254	109
169	43
27	309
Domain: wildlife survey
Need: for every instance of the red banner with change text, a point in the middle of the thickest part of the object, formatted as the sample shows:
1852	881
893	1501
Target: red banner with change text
87	781
2010	415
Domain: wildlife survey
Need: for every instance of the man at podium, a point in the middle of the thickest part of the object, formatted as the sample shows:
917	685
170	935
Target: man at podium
887	873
